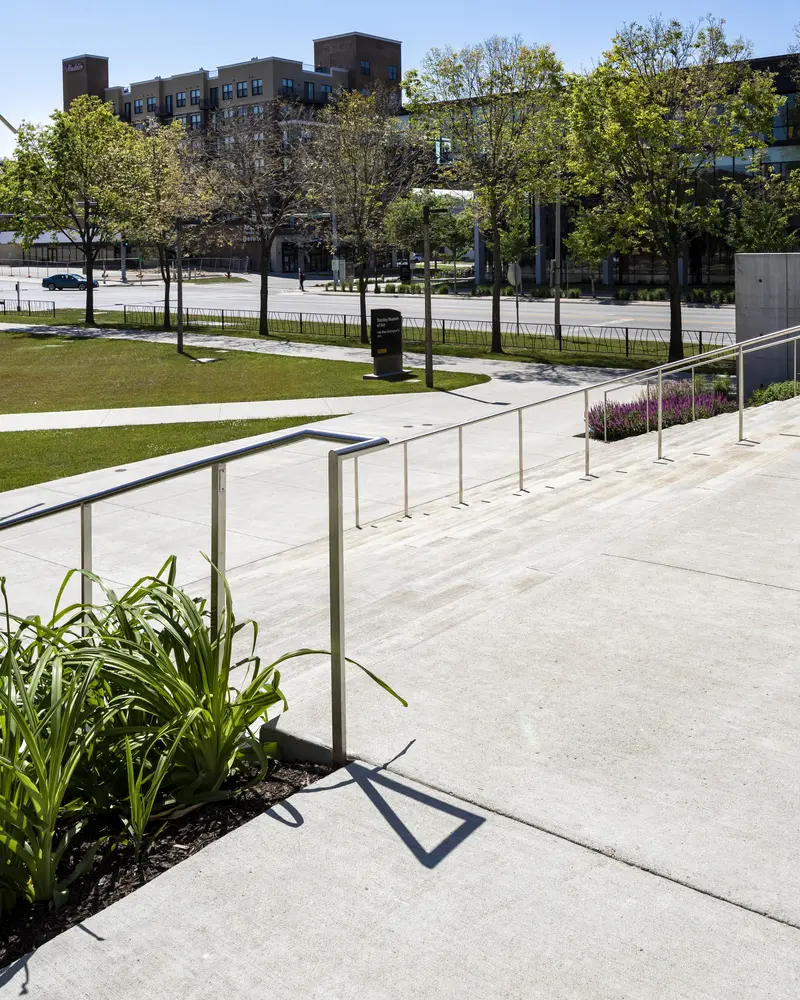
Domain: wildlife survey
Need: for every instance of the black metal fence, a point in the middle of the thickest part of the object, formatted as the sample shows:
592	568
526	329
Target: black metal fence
630	341
27	307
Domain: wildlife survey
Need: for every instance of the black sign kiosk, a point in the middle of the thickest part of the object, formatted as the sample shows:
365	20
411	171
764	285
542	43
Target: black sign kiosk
386	327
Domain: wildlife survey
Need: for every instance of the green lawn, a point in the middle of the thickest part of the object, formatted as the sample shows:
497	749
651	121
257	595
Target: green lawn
28	457
39	371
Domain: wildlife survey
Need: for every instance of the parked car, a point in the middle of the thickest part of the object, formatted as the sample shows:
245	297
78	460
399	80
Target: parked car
62	281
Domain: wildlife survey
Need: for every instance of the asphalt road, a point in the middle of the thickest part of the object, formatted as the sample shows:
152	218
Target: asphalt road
286	297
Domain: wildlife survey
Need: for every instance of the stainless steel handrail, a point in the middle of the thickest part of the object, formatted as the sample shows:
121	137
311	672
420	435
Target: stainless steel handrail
337	457
217	463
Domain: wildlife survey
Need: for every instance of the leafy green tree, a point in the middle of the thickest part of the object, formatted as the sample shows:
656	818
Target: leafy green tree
451	231
74	176
493	108
255	170
591	240
763	206
360	161
169	189
648	123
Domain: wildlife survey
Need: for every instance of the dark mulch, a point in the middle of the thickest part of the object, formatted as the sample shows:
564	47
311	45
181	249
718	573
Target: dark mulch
117	873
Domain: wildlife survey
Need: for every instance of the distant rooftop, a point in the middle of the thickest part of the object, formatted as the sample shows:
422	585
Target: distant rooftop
361	34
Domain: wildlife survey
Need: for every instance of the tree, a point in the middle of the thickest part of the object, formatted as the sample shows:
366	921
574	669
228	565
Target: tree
493	109
591	240
451	231
763	206
169	189
255	170
74	176
362	159
647	125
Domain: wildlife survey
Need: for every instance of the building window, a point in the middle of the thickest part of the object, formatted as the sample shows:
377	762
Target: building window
287	85
151	105
365	67
213	96
126	114
227	91
392	72
180	99
138	106
257	110
241	88
194	97
257	88
258	163
195	121
227	113
326	89
181	119
168	104
309	91
242	111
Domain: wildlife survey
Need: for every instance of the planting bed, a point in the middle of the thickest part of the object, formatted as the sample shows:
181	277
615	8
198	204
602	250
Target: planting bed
116	872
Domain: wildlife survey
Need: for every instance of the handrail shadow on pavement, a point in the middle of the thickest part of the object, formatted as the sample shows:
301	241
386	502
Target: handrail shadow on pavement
367	779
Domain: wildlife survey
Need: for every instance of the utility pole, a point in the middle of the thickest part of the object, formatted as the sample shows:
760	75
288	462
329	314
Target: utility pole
123	260
8	124
335	241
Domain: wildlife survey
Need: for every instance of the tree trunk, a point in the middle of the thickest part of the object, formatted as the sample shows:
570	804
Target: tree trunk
675	318
89	257
362	293
166	277
263	316
497	278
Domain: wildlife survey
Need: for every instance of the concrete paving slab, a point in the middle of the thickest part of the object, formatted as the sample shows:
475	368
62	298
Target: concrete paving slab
369	885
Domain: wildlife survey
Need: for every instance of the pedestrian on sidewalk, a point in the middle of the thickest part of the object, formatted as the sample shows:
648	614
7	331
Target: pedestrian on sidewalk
302	280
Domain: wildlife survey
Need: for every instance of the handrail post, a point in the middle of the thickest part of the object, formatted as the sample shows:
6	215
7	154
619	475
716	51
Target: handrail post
586	429
86	553
647	404
794	371
605	416
405	478
519	435
218	540
740	380
336	573
660	412
355	490
460	464
692	371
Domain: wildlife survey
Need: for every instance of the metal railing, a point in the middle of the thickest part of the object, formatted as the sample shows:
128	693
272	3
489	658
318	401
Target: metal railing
27	307
621	340
355	447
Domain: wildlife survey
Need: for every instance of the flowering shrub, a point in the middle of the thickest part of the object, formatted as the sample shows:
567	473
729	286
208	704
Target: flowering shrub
626	419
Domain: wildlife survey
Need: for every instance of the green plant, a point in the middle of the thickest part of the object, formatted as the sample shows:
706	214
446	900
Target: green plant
442	290
730	298
773	393
48	722
573	293
390	288
717	296
699	295
723	384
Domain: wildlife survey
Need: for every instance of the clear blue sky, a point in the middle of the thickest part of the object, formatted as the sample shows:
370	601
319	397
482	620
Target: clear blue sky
148	38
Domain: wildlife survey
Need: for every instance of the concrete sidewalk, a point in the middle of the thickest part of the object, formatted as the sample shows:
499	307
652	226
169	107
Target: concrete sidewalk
371	886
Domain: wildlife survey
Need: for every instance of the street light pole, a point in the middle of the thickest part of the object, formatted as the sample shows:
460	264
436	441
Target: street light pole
426	253
179	267
557	289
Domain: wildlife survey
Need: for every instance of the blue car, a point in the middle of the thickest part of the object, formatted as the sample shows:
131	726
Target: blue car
62	281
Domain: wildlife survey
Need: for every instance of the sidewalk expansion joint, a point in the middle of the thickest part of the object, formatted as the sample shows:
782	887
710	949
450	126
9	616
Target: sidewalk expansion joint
601	851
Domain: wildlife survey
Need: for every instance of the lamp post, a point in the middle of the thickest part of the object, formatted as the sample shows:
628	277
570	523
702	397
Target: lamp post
87	207
426	252
179	224
557	287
